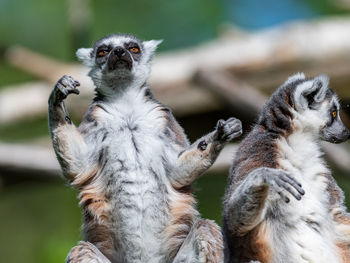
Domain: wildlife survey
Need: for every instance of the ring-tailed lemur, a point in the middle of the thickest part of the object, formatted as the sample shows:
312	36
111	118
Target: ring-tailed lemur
133	164
282	204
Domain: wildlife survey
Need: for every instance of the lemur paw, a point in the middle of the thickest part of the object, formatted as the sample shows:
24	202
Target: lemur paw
63	87
283	183
86	252
229	129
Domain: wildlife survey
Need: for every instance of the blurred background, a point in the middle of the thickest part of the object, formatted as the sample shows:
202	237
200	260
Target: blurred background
219	58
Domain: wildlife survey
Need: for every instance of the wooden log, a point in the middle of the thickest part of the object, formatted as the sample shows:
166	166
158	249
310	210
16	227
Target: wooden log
40	162
26	100
258	59
31	160
30	100
338	154
232	91
261	59
297	43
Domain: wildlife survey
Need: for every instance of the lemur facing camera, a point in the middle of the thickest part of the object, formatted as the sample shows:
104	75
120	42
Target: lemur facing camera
282	204
132	163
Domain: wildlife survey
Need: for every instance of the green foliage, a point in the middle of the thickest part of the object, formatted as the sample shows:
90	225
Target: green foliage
10	75
327	7
24	130
38	24
181	23
209	191
39	222
44	25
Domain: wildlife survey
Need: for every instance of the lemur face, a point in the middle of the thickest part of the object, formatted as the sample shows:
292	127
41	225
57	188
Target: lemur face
118	58
118	53
318	108
334	131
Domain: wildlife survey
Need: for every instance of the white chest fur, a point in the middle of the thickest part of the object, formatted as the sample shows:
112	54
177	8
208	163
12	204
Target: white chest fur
135	175
306	230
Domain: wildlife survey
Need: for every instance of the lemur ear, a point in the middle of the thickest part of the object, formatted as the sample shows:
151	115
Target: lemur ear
151	46
295	77
312	92
85	55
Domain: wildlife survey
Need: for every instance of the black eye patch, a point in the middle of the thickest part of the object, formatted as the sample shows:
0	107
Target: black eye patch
101	54
333	112
103	48
134	49
131	45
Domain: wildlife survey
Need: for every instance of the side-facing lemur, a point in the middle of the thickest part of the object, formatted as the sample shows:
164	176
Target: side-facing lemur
282	204
133	164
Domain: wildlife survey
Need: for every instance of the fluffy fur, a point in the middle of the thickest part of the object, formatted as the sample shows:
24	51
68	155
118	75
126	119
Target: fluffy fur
133	164
282	204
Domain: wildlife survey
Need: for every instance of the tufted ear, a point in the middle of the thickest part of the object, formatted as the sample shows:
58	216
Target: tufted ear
313	92
85	55
295	77
151	46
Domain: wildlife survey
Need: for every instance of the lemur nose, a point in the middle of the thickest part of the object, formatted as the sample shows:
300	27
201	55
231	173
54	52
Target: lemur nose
119	51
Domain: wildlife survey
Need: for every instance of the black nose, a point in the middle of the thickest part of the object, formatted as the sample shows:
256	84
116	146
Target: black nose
119	51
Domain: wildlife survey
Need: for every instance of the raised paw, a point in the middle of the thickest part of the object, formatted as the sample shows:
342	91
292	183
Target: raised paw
63	87
229	129
86	252
283	183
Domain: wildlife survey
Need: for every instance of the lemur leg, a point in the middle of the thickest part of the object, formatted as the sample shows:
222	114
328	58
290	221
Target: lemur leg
342	226
68	143
195	160
86	252
203	244
247	205
342	219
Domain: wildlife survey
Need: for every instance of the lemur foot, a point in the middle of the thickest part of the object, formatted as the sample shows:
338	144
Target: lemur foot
210	244
63	87
282	182
86	252
203	252
229	129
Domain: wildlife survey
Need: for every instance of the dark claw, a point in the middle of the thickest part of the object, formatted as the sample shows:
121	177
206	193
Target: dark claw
288	187
76	91
296	185
285	198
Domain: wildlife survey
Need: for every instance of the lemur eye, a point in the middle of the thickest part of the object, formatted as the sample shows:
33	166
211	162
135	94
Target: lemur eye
134	50
102	53
334	114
